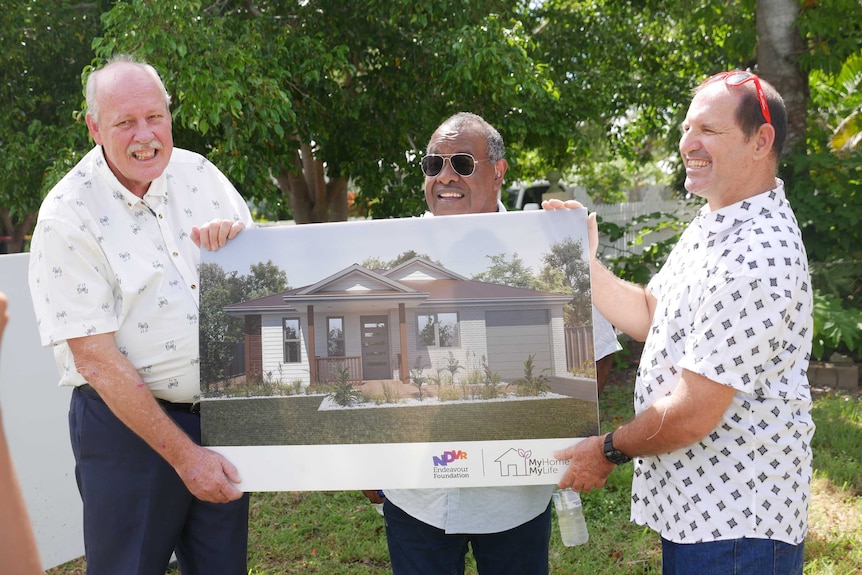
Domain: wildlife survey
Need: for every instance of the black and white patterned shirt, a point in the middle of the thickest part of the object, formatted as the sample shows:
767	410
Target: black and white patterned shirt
734	305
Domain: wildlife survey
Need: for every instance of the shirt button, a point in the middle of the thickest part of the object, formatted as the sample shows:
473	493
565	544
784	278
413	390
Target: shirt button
175	254
194	286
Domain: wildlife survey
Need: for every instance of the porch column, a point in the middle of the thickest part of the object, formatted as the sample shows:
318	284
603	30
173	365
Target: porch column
253	348
402	325
312	359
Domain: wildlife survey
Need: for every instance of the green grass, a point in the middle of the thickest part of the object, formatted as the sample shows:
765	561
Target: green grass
297	421
339	533
837	441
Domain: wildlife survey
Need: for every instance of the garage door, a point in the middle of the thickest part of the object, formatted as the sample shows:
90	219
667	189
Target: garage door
515	334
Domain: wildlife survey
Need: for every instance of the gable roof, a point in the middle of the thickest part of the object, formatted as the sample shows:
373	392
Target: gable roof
419	283
417	268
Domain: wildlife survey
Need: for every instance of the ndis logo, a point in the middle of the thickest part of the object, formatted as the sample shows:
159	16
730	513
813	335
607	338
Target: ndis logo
449	457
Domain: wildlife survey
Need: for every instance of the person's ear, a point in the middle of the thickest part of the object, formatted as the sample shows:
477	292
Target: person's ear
93	128
765	138
500	168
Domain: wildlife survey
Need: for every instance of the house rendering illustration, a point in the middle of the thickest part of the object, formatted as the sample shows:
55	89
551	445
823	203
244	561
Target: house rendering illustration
381	324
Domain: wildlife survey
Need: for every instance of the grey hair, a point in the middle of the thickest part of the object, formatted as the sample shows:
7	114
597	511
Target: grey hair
493	139
93	79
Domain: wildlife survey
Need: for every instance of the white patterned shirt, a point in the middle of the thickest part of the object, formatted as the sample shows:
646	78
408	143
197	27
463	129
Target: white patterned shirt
734	305
103	260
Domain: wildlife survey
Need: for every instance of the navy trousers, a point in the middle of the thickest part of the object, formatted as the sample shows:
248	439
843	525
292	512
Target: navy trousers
137	511
416	548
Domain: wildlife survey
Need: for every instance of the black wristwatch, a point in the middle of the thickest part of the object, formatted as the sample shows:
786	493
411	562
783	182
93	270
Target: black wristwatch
613	454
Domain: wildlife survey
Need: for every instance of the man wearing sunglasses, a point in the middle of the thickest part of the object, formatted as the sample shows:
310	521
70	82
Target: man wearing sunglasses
722	437
508	528
464	167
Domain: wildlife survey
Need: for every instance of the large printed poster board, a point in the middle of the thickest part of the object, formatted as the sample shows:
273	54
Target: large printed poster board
409	353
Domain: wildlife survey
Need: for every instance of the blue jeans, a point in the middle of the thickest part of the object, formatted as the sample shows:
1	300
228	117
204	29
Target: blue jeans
732	557
416	548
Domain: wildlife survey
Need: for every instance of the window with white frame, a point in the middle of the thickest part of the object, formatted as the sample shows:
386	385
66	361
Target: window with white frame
292	343
438	329
335	337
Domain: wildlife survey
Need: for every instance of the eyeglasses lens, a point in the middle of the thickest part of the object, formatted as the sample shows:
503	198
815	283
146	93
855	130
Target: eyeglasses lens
432	165
737	79
463	164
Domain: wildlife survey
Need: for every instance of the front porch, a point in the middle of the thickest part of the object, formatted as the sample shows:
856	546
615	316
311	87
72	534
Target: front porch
332	369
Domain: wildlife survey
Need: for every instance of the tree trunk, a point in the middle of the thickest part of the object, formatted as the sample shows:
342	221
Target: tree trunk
14	242
337	191
311	198
779	46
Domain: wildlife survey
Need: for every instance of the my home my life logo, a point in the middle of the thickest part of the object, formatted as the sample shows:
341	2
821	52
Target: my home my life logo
520	462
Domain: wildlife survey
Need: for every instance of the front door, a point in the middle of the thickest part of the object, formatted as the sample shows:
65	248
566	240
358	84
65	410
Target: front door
375	347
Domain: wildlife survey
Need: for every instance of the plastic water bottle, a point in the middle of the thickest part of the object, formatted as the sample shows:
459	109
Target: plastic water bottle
570	515
379	506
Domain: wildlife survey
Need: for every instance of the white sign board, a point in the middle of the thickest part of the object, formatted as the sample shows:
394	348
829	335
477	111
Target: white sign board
423	352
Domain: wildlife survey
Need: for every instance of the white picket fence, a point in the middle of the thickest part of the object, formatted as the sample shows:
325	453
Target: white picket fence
645	200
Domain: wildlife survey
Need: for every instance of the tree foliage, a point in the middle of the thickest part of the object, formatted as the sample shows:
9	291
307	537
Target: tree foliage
564	270
568	257
45	46
297	99
294	101
219	331
375	263
512	273
307	104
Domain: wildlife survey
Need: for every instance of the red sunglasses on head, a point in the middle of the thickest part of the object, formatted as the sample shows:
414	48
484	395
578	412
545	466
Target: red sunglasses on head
738	78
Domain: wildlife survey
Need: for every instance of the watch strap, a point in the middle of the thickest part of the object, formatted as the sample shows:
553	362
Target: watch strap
613	454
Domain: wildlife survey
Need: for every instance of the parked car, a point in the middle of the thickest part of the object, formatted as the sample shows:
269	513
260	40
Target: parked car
520	195
529	196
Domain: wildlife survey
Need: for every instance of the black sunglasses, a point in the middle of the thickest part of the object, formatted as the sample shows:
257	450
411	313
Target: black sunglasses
463	164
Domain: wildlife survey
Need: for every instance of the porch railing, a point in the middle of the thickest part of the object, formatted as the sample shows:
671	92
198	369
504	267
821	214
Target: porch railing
329	369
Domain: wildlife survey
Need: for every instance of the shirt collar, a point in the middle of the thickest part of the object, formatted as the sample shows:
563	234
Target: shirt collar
156	194
742	211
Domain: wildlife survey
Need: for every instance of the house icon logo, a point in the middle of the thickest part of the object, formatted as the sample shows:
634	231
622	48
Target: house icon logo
513	462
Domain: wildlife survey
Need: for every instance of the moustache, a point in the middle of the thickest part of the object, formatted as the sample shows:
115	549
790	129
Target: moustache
151	145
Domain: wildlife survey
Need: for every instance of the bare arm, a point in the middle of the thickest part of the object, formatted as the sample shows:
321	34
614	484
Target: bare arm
628	306
684	417
206	474
18	552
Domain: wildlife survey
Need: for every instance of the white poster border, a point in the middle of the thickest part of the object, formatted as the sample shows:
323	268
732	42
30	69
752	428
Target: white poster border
502	463
459	242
